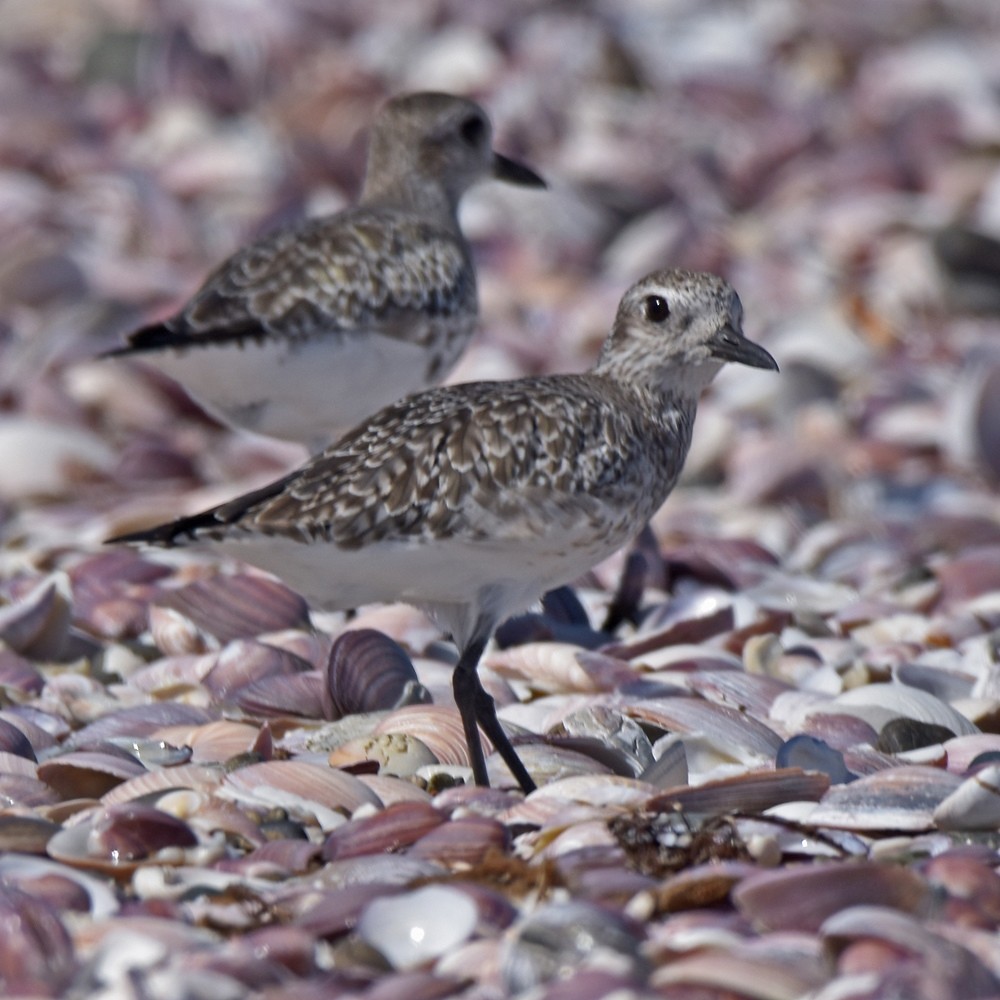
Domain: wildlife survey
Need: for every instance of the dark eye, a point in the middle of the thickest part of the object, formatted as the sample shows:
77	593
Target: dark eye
473	130
656	308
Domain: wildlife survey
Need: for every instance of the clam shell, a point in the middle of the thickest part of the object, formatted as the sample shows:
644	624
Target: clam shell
36	951
392	829
400	754
557	666
974	805
878	704
898	798
752	792
463	841
236	605
321	793
437	726
88	774
369	672
801	897
37	625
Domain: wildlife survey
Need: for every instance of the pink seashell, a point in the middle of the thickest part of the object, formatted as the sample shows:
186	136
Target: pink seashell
557	666
213	742
175	634
462	841
193	776
437	726
25	791
242	662
299	786
18	674
752	792
237	605
393	829
133	832
802	897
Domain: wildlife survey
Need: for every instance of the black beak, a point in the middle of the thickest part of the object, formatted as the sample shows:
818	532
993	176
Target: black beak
505	169
730	345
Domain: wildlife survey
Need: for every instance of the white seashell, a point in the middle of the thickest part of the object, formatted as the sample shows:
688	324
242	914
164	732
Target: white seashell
558	666
400	754
974	805
878	704
414	929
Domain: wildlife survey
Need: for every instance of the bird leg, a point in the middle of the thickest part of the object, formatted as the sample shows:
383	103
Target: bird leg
476	705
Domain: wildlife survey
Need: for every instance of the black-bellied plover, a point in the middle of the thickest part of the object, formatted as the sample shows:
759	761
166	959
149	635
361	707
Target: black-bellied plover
309	330
471	501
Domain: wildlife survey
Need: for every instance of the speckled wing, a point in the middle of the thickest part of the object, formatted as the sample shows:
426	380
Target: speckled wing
473	463
362	269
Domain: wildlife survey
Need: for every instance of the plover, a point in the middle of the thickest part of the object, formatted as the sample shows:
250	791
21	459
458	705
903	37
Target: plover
304	333
471	501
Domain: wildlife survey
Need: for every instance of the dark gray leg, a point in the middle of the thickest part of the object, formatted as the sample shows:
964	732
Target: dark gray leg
476	706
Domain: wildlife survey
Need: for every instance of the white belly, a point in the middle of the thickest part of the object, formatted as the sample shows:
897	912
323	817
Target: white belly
311	391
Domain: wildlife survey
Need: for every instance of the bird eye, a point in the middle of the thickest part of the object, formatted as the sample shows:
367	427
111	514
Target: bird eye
657	309
473	130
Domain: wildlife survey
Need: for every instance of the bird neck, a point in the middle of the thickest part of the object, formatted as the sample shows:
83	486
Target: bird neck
410	191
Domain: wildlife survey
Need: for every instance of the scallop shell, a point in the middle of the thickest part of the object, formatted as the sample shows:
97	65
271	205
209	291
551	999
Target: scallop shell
437	726
392	829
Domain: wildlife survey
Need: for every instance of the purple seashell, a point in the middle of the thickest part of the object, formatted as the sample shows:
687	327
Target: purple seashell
13	740
237	606
369	672
88	774
394	828
131	832
243	661
36	951
801	898
139	721
37	625
839	730
297	694
21	790
336	911
462	841
19	674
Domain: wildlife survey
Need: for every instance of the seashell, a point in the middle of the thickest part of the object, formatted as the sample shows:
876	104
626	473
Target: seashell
670	768
369	672
174	634
14	741
786	975
963	750
943	968
212	742
36	951
133	832
613	729
439	727
562	938
25	834
305	789
18	675
464	841
395	753
276	696
25	790
878	704
37	625
417	927
753	693
138	722
898	798
86	773
173	674
902	735
734	735
236	605
391	789
811	754
974	805
242	661
196	777
802	897
394	828
63	881
558	667
752	792
839	731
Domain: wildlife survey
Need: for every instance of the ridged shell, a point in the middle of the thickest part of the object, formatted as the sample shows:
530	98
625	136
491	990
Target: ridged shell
36	951
878	704
752	792
369	672
974	805
37	625
557	666
198	777
801	897
401	754
243	661
393	829
237	605
462	841
88	774
437	726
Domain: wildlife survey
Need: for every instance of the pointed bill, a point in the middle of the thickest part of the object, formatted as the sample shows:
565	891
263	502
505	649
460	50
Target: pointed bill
506	169
730	345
